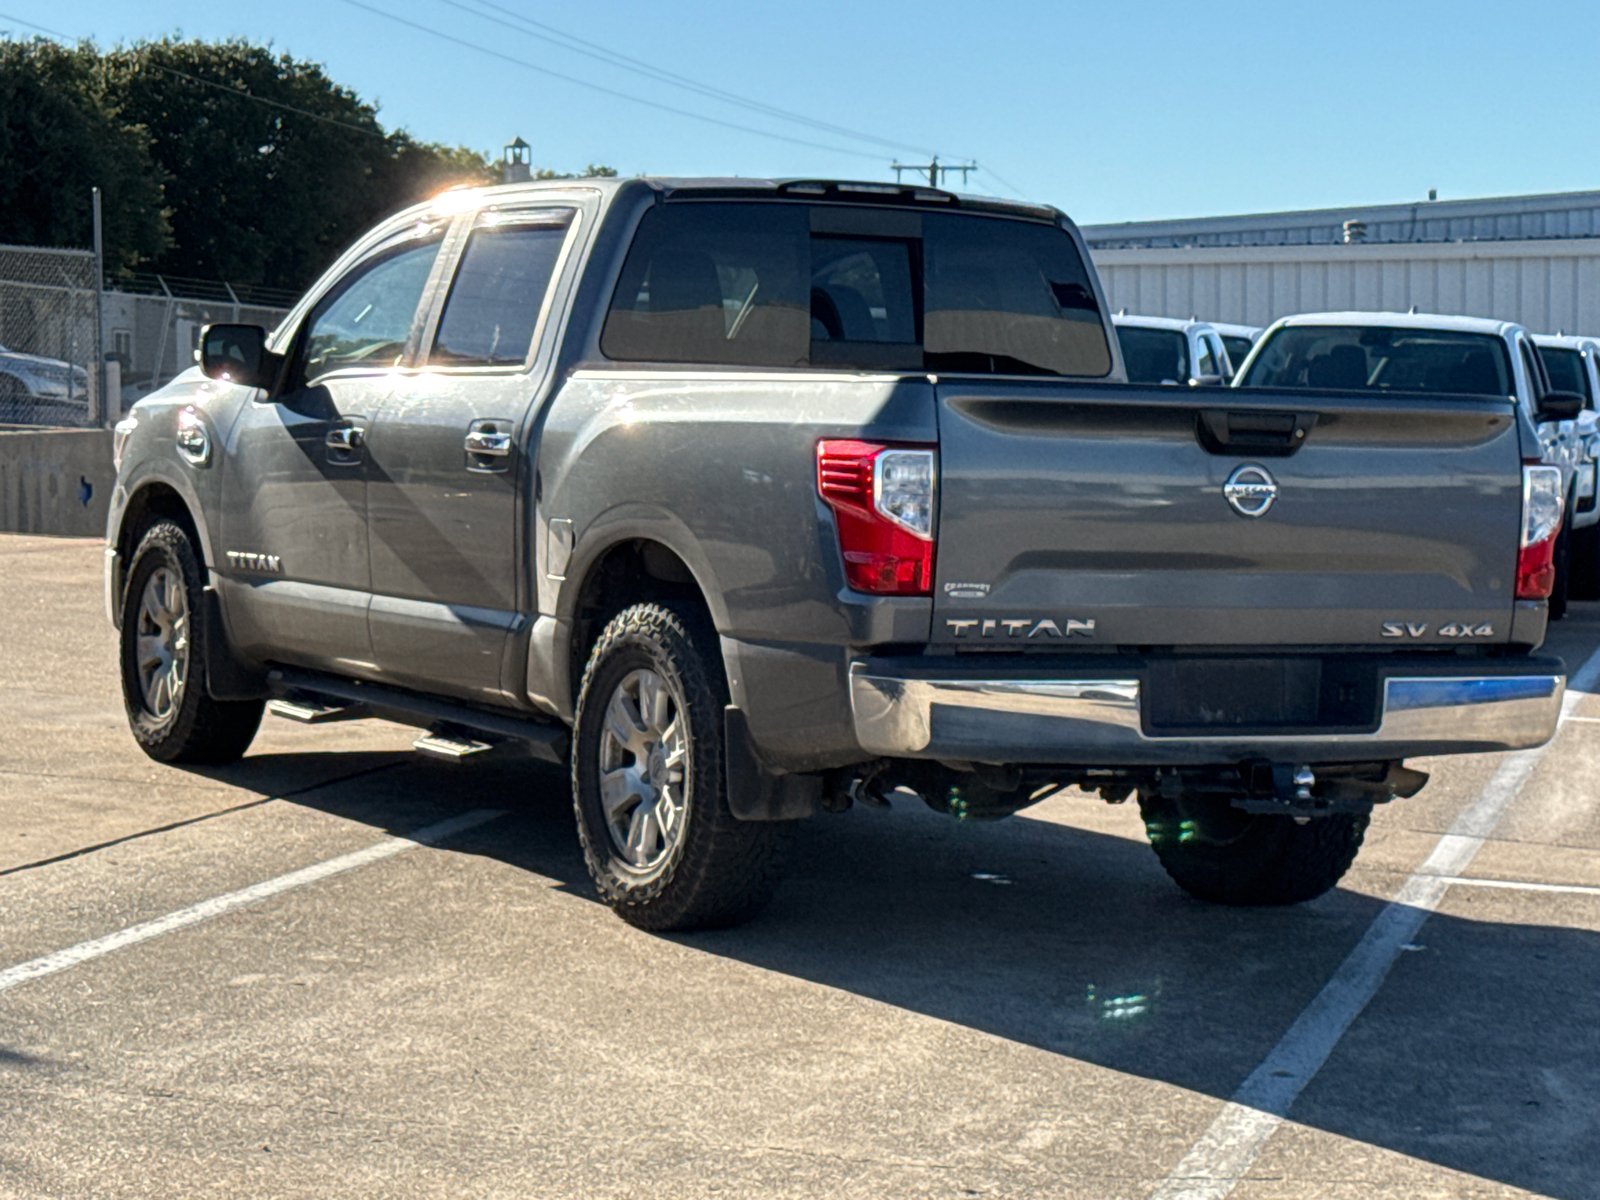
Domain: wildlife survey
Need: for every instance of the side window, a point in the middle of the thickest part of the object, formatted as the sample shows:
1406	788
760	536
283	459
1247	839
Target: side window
499	290
714	283
366	320
1205	362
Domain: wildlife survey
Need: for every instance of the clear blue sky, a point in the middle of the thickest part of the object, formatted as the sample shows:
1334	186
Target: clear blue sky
1113	111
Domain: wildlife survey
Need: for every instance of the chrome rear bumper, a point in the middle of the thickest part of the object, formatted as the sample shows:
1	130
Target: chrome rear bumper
1098	722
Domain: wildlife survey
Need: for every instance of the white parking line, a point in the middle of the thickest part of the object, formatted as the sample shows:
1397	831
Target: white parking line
1218	1161
1523	885
83	952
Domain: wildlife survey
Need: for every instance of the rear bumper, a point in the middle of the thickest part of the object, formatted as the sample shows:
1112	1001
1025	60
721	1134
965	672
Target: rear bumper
922	708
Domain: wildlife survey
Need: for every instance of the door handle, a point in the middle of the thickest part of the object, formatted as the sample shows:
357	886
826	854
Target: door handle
346	439
492	445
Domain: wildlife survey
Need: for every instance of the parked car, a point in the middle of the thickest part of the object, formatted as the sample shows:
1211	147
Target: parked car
1427	353
751	499
1573	365
39	390
1164	350
1238	341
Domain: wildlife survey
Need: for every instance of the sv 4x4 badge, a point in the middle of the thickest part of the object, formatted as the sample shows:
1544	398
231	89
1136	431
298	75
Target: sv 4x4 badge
1456	629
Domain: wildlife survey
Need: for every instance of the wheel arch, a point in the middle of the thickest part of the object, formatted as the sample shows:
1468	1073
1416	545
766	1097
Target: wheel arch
151	500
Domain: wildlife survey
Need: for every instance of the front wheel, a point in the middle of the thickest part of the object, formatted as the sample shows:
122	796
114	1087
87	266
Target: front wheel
172	717
1227	856
649	784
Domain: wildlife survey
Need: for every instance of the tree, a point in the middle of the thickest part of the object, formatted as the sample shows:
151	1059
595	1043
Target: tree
60	136
271	167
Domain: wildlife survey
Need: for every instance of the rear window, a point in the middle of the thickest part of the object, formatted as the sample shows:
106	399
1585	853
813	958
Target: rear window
1565	368
1377	358
1154	355
794	285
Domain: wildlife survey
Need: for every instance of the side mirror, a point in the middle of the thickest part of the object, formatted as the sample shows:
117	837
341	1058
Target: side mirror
1559	406
238	354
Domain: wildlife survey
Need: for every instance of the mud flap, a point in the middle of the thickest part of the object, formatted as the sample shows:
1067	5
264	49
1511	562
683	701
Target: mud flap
754	793
226	677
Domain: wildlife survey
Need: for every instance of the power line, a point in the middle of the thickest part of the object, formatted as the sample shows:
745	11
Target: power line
568	41
221	87
596	87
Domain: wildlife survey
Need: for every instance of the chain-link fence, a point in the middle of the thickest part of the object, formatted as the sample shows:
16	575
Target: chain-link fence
150	328
152	335
47	336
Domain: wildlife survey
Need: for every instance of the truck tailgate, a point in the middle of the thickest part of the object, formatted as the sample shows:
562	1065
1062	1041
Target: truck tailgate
1073	515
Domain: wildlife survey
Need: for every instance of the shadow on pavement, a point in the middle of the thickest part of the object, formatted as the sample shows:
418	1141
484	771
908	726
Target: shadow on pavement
1479	1054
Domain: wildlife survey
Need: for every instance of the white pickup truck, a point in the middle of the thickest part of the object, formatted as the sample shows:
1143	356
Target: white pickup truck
1573	364
1429	353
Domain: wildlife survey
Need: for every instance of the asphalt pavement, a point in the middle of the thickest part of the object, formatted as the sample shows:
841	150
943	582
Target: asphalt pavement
338	969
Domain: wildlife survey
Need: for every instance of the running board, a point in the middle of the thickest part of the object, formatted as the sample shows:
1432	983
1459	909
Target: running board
543	739
451	746
310	712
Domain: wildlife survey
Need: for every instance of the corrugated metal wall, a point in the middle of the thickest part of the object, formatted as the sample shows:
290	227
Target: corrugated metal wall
1563	215
1546	285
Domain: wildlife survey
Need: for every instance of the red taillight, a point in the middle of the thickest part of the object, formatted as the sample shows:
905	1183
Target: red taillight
1542	505
882	500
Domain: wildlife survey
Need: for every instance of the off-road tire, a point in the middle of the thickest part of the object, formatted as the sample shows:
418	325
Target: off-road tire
1583	578
1563	565
1227	856
198	730
722	870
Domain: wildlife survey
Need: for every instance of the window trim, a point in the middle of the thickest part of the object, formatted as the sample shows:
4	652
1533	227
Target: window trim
471	223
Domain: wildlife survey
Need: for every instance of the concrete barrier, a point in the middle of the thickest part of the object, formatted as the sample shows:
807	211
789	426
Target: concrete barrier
55	481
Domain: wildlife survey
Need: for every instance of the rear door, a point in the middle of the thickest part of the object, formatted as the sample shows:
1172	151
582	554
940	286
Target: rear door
448	462
1079	515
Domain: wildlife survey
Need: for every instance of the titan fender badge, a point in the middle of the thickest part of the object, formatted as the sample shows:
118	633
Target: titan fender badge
1250	490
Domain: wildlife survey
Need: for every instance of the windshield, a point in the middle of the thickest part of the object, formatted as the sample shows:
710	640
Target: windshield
1381	358
1154	355
784	284
1565	368
1238	349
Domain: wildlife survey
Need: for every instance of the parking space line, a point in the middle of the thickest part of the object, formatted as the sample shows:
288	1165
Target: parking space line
205	910
1216	1163
1522	885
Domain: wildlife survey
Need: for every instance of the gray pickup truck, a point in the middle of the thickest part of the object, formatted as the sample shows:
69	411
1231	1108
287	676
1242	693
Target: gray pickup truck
755	499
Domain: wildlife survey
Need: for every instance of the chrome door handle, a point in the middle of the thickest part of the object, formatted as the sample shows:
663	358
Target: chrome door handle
494	445
346	438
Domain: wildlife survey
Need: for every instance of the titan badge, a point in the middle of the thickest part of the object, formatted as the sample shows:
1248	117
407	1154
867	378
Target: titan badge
260	564
1021	629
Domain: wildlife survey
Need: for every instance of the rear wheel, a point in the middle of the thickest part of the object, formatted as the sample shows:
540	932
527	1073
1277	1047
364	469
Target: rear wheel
1563	566
649	784
1227	856
171	715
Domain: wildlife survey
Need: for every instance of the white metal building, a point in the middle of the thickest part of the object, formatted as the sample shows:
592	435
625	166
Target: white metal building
1530	259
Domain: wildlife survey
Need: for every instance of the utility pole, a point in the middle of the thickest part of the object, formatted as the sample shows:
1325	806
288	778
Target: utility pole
933	169
100	408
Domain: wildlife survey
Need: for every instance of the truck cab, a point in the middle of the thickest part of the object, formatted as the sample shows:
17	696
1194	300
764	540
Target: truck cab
1168	352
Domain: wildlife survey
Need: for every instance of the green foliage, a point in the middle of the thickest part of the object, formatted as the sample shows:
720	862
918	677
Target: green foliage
218	160
60	136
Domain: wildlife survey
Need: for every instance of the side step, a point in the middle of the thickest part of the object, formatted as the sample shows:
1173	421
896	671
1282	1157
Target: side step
314	712
455	730
451	745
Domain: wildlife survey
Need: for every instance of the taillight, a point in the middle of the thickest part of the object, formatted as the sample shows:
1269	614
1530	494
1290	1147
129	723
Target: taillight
882	499
1541	525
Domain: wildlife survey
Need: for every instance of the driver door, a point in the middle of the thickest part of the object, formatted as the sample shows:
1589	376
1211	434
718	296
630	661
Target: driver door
297	578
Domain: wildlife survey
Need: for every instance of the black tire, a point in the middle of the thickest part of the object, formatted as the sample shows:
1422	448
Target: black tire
716	870
1583	569
1227	856
1563	564
191	727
